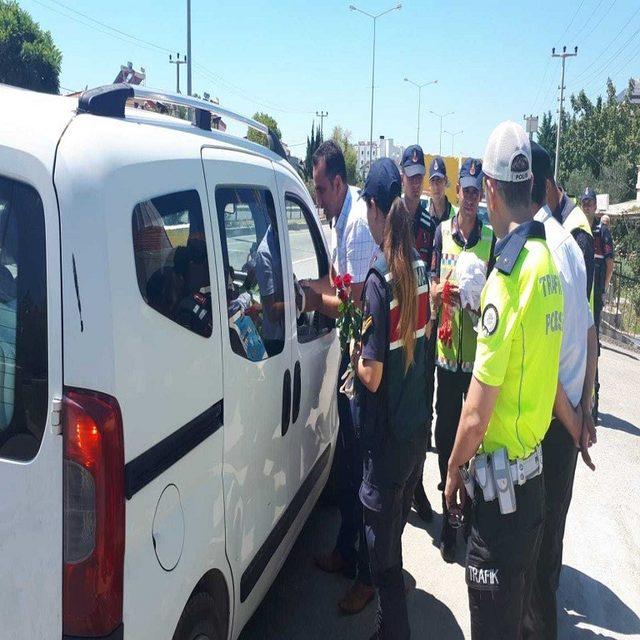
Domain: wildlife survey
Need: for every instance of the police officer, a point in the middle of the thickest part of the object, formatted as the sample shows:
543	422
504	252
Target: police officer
390	365
440	208
424	227
511	396
455	353
603	265
572	424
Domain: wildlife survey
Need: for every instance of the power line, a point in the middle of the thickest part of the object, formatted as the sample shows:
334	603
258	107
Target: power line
566	29
595	61
597	73
156	48
604	15
582	28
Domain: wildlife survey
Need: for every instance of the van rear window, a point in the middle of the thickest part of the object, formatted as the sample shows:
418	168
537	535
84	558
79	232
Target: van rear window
23	321
171	259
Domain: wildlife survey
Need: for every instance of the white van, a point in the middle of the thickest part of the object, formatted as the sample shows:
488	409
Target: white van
167	417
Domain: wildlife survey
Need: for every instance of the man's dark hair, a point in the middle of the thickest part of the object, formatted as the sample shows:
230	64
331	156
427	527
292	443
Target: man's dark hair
516	195
331	153
541	167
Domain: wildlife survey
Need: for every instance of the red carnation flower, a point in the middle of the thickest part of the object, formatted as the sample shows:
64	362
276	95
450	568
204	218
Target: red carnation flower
343	295
338	282
346	279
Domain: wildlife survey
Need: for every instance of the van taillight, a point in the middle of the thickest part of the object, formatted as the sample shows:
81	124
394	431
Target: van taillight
94	507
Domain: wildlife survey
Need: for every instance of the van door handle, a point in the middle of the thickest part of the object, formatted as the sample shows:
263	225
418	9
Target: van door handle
296	392
286	402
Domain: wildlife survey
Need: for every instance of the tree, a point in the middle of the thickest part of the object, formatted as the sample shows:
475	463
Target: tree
29	57
343	138
600	144
261	138
547	135
312	144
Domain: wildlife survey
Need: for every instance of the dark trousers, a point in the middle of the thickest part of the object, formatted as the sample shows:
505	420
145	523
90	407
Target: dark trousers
501	553
350	542
431	372
597	313
560	456
452	389
390	477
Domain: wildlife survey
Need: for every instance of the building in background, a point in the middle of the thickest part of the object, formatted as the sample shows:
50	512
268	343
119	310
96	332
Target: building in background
634	98
382	148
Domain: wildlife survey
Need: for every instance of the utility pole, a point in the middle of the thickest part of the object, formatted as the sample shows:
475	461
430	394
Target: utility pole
322	115
530	125
441	116
177	62
188	47
453	135
415	84
373	64
564	55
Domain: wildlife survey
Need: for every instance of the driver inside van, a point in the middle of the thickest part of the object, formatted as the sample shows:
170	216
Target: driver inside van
269	276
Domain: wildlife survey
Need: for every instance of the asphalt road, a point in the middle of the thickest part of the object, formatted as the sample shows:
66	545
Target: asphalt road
599	594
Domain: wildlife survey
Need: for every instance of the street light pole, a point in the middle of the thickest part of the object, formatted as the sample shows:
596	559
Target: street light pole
415	84
373	64
441	116
453	135
189	47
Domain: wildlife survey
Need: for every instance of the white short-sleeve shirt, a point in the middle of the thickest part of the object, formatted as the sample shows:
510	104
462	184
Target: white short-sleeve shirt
577	316
352	245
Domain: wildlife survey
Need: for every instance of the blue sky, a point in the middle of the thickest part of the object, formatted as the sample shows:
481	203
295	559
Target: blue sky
290	58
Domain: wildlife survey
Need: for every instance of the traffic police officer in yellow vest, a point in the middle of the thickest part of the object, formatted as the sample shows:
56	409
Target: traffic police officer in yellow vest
455	351
510	399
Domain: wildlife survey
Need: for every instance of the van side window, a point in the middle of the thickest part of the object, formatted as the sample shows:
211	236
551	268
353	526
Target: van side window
23	321
253	271
171	259
309	261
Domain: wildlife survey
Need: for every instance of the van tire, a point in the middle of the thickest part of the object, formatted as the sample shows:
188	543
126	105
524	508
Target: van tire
198	620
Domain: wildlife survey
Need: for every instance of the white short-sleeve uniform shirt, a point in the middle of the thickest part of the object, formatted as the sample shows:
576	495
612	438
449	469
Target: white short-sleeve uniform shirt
352	245
577	317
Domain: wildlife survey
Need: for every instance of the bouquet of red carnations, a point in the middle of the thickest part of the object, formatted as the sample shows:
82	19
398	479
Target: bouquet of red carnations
349	324
349	320
444	330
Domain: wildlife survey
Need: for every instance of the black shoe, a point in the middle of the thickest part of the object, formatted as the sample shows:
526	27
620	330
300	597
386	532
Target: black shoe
421	504
448	549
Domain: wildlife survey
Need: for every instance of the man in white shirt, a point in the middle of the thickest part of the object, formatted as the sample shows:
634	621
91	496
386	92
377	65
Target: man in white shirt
352	247
572	427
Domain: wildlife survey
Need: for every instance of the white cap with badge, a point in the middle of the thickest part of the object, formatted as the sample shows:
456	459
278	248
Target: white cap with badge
508	154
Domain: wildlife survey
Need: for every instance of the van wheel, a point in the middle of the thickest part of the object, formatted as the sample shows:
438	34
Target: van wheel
198	620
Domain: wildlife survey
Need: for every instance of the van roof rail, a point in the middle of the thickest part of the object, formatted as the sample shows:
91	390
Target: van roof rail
110	101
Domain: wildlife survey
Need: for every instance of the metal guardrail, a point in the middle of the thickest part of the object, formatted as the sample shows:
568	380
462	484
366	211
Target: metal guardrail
622	305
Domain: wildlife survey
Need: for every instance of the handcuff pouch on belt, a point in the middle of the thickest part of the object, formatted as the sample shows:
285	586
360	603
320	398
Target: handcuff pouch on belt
504	482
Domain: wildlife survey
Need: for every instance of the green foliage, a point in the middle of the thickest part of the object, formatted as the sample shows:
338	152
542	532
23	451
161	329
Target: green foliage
547	133
29	57
313	143
343	138
261	138
626	237
600	144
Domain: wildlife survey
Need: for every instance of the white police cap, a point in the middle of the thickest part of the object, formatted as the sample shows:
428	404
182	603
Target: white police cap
508	153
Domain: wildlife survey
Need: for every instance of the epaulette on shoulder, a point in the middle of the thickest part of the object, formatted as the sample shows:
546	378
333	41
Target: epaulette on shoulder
510	252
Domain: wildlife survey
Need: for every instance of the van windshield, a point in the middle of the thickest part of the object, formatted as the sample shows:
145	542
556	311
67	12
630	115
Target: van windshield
23	321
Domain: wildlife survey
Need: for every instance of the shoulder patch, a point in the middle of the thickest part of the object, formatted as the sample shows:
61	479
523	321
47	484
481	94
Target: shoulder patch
489	320
510	252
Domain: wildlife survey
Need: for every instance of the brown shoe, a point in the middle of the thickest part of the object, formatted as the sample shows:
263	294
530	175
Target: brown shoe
330	562
357	597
